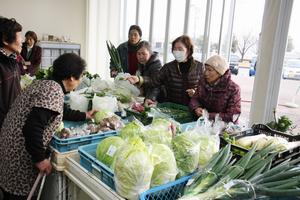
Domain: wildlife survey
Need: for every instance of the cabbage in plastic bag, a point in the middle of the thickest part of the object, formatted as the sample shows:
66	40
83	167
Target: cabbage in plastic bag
157	136
208	132
133	169
107	148
186	150
132	129
209	145
165	169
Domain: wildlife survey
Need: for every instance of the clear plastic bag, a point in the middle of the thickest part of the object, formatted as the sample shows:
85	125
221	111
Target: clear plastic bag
208	132
78	101
105	103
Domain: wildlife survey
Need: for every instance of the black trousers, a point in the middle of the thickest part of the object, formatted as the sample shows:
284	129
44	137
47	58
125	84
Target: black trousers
8	196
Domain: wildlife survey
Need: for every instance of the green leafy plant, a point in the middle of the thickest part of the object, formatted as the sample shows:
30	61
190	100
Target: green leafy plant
282	124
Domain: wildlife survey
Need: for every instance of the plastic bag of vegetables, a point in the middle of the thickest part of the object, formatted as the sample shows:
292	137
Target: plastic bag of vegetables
167	124
186	150
107	148
105	103
157	136
78	101
132	129
121	82
208	132
165	168
133	169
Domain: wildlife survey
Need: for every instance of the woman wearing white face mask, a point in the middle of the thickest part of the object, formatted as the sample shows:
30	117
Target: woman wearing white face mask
180	77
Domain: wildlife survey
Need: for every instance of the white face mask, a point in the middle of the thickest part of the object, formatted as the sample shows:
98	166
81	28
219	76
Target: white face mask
179	55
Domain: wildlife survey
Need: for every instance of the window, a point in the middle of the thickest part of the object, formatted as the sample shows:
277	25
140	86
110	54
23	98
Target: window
246	31
196	25
176	23
130	13
144	18
159	26
289	93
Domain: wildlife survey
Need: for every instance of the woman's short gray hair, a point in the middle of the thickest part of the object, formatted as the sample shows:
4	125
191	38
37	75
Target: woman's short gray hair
144	44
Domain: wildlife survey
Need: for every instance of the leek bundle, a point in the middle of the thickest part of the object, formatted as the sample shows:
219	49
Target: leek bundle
251	176
114	56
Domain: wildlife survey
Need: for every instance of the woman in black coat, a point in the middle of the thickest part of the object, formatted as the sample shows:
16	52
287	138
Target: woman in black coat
31	53
148	65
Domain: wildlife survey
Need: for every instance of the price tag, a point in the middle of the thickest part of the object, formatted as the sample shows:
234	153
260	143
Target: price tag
111	150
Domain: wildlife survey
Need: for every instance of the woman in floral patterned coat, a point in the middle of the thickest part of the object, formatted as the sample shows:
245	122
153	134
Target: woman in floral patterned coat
216	92
28	127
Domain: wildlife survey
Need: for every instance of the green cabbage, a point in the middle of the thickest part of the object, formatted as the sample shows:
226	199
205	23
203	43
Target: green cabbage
160	122
165	169
167	124
209	145
100	115
159	136
131	130
186	150
133	169
107	148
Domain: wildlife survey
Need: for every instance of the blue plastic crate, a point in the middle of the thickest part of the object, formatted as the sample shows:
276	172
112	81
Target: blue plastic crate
64	145
88	160
170	191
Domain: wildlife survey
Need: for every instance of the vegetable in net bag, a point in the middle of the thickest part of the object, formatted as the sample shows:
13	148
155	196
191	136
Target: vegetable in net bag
133	169
165	168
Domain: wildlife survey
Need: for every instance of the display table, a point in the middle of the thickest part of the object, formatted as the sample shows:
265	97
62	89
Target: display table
70	181
86	181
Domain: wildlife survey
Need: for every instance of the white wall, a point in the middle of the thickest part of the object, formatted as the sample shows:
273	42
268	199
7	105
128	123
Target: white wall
103	23
54	17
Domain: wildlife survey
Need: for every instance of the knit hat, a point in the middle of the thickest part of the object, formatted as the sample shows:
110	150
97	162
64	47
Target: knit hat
218	63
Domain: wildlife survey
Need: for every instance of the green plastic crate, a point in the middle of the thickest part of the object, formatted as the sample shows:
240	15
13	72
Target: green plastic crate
178	112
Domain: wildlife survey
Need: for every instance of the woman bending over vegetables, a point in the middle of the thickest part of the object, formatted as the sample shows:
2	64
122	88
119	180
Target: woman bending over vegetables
216	92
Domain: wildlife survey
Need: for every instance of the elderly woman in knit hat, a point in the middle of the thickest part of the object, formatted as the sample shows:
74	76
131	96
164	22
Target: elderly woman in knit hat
216	92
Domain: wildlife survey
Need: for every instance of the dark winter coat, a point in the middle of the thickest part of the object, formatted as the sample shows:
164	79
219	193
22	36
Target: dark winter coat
224	98
150	69
9	83
175	82
34	57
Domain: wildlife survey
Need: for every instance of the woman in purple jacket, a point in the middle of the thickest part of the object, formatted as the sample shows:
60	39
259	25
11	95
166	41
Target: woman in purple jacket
216	92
